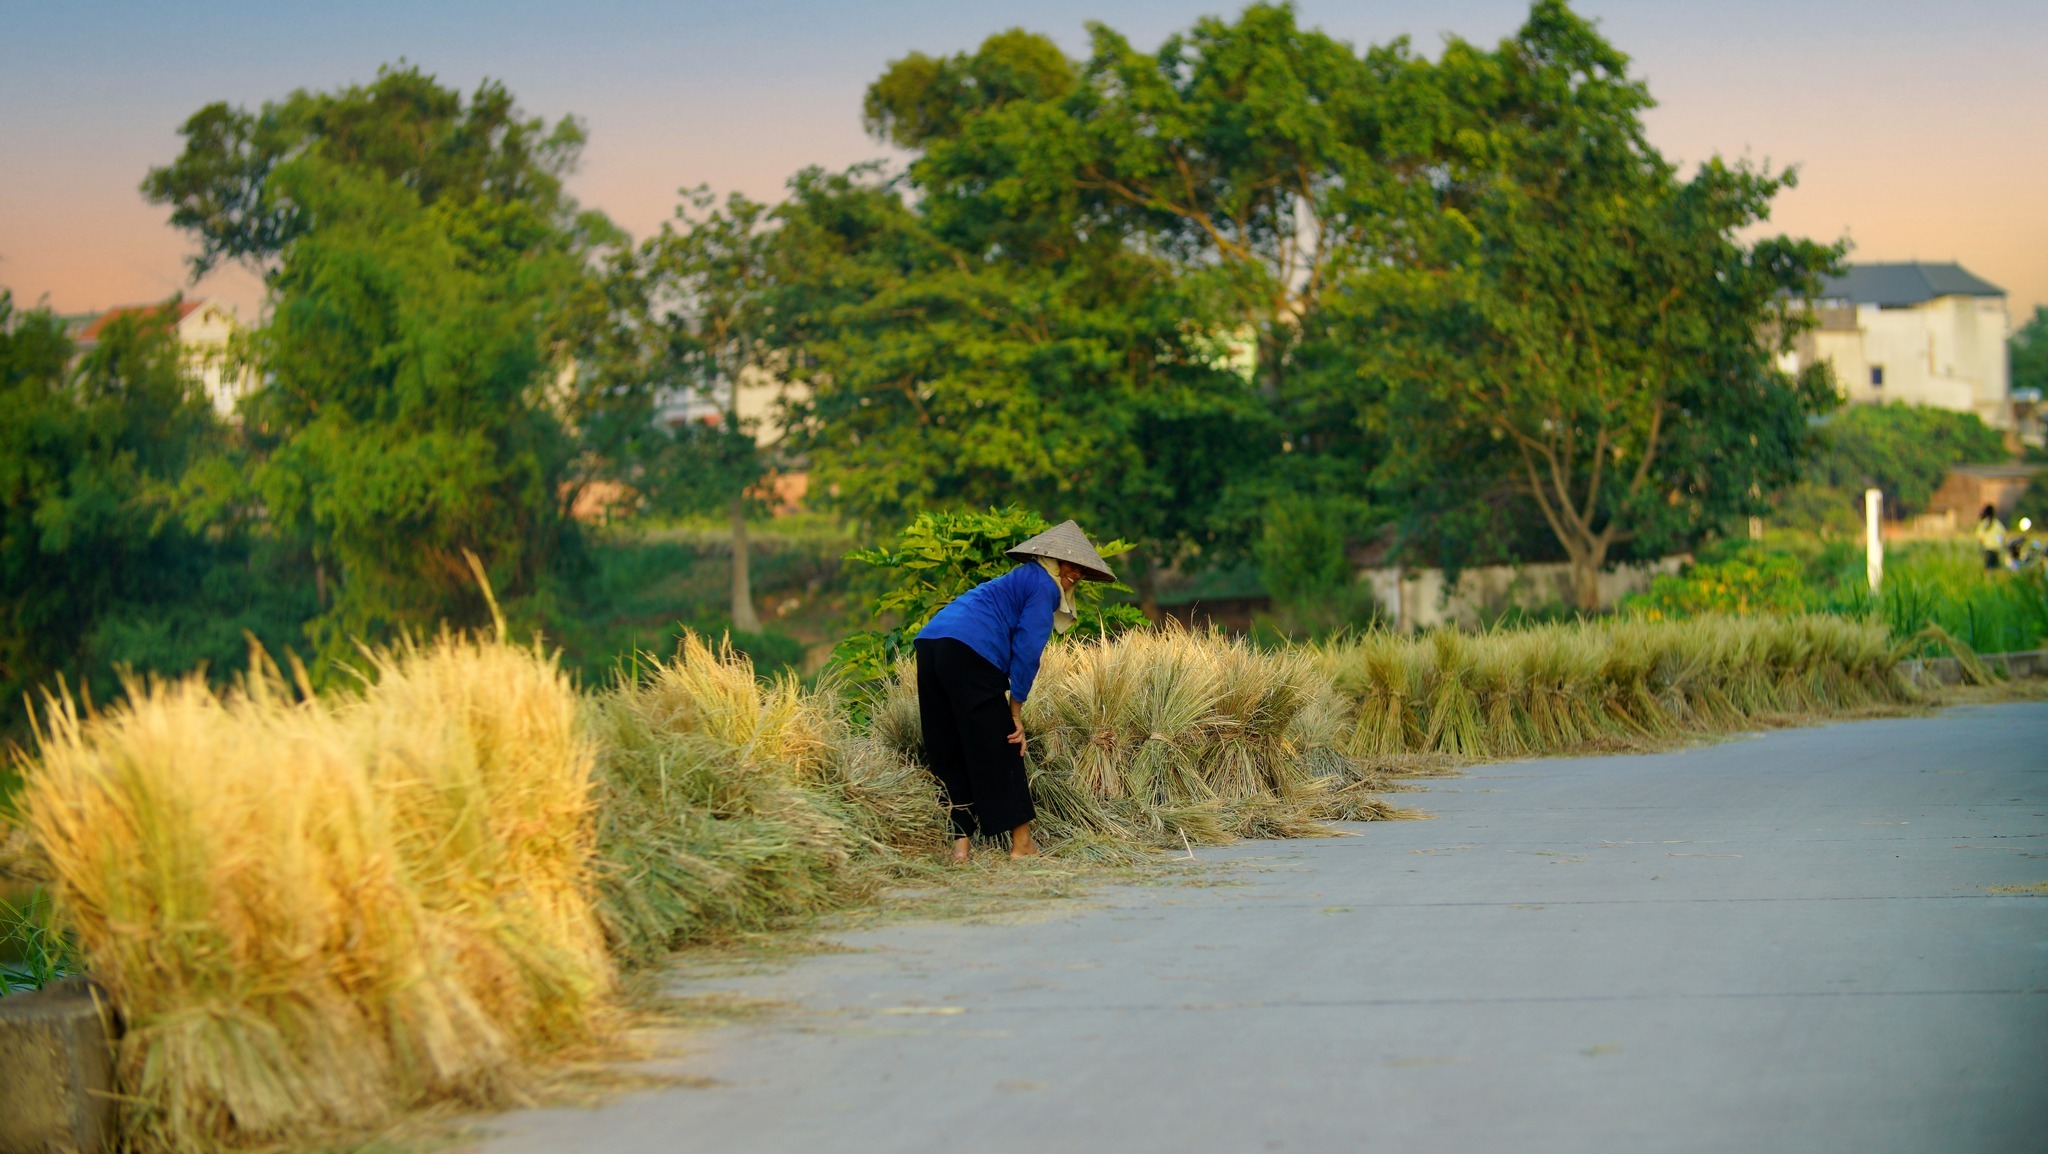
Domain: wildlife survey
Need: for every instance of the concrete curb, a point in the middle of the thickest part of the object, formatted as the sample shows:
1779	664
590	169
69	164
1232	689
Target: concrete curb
1949	671
57	1070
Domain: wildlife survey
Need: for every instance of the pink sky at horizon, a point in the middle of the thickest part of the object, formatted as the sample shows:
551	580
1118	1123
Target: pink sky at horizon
1915	139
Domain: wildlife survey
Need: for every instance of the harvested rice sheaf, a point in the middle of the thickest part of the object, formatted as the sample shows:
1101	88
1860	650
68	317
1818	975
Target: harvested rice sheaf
726	803
313	914
1161	739
1601	684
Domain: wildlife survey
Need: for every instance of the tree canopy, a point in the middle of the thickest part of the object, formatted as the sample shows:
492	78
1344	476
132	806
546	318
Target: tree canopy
232	186
429	280
93	449
1468	288
1253	291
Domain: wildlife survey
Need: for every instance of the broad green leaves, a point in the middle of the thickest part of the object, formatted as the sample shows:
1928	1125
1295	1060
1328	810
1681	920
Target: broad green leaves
938	557
429	283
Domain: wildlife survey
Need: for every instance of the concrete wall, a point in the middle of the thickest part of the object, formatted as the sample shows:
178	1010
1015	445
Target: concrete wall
57	1070
1421	599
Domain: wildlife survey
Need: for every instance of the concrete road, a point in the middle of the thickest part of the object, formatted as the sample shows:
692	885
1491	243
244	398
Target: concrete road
1783	943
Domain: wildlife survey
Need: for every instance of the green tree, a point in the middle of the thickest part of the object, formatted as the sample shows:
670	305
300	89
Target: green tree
710	282
429	280
1231	158
90	460
2029	352
1003	333
404	126
1905	450
1571	324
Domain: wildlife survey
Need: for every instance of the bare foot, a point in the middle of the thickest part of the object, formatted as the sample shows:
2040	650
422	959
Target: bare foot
1021	845
959	854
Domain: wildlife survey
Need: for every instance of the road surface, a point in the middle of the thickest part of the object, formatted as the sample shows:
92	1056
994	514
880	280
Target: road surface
1787	942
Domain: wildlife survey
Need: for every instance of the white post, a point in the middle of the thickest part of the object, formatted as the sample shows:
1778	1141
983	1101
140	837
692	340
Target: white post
1873	544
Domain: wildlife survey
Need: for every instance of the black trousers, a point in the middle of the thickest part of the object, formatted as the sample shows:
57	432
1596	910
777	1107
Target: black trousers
963	702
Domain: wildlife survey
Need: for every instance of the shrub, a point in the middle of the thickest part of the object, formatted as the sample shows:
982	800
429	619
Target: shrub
1906	450
942	555
1948	587
1749	581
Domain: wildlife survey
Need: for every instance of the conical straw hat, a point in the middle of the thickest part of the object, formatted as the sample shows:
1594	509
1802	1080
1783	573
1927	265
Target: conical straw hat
1066	542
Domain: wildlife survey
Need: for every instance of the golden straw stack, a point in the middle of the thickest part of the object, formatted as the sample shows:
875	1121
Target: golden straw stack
313	914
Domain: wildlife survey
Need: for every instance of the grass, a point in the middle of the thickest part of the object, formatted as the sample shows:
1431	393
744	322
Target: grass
34	949
320	913
1947	586
1926	583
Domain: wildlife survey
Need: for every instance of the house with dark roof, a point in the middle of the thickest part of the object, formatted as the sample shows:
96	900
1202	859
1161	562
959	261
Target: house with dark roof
203	328
1917	333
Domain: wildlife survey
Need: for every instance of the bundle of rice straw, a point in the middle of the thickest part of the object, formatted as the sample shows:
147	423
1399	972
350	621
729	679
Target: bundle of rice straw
1166	738
727	803
311	914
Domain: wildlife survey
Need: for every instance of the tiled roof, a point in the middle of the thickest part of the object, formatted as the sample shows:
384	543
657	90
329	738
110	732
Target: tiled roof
91	332
1906	284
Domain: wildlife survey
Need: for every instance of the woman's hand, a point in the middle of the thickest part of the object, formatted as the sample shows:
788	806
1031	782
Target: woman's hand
1017	719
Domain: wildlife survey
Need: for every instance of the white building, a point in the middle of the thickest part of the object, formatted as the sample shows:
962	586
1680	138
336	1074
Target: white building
761	397
203	327
1918	333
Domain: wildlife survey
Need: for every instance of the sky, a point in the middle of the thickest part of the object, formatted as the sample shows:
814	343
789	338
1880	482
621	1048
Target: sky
1920	131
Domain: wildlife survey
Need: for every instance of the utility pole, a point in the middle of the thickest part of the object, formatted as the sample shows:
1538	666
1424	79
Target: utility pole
1873	542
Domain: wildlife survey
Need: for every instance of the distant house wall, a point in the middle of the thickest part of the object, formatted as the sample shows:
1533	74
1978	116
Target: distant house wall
759	404
204	334
1968	488
204	329
1416	598
1935	334
1948	353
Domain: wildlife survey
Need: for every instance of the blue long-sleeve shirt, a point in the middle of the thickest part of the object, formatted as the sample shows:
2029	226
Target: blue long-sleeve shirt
1007	620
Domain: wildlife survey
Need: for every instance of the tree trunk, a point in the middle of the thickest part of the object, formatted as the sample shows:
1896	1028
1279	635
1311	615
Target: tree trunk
1587	559
744	619
320	583
1147	587
1586	584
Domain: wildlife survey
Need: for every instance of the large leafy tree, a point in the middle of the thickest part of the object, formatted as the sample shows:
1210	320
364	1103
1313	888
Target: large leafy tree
1573	326
429	286
91	453
980	332
406	419
404	126
1470	288
1238	158
707	282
